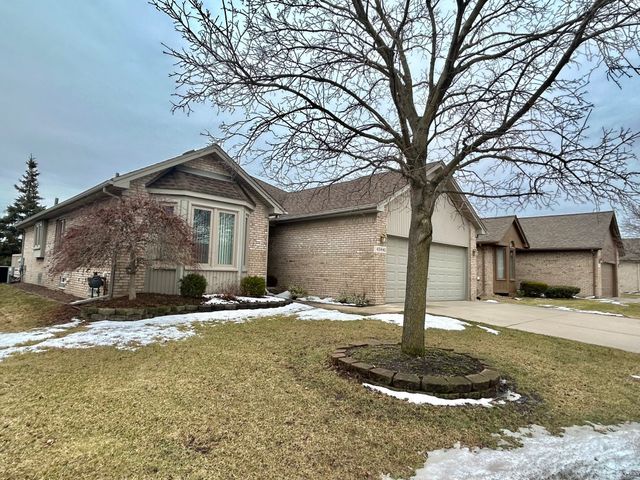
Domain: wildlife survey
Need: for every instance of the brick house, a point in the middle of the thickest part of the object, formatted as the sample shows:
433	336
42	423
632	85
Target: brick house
205	186
580	250
629	268
351	238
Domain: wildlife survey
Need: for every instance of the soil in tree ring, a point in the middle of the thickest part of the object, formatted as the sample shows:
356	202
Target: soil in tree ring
435	361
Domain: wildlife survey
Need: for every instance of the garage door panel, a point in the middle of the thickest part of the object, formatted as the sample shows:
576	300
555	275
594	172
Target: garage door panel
447	271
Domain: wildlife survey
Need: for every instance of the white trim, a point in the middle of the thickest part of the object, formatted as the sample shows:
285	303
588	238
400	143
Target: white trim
200	196
214	237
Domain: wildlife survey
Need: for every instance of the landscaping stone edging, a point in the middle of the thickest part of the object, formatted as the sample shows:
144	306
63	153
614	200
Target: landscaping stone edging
127	314
475	385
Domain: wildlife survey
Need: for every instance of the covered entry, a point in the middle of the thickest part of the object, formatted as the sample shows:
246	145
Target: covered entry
609	283
447	271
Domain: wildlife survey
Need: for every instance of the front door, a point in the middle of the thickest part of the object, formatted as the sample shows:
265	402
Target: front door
504	274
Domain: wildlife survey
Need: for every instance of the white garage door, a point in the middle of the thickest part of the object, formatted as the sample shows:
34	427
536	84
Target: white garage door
447	271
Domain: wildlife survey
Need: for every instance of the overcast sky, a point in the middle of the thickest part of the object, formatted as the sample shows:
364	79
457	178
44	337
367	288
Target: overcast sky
84	86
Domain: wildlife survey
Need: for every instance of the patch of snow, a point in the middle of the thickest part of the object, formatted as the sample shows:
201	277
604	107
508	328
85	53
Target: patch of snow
611	301
34	335
426	399
635	377
286	295
430	321
596	312
492	301
487	329
589	452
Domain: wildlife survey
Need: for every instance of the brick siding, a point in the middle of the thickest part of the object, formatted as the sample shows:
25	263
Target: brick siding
330	257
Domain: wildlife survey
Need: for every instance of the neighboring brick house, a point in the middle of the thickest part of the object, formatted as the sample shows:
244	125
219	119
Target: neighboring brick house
497	255
580	250
205	186
629	268
351	238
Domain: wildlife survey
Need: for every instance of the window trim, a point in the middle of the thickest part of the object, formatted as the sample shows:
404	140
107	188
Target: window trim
214	237
59	232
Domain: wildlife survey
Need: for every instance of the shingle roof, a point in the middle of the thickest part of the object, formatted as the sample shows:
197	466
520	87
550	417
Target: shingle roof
175	179
580	231
496	227
631	250
349	195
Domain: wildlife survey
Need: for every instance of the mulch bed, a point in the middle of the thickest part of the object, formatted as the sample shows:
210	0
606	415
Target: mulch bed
436	361
57	295
144	300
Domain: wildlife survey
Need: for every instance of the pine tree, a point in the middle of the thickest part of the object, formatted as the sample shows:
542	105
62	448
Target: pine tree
26	204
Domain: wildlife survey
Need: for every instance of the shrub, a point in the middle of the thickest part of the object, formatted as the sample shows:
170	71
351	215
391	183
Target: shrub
297	291
253	286
533	289
561	291
193	285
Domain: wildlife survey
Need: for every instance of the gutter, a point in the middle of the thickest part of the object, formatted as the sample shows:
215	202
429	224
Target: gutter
342	212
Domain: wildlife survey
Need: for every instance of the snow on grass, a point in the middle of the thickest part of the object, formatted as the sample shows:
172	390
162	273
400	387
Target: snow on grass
597	312
426	399
611	301
133	334
582	452
636	377
491	301
35	335
490	330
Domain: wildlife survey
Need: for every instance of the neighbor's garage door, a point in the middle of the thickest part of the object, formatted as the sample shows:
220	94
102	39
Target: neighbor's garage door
608	280
447	271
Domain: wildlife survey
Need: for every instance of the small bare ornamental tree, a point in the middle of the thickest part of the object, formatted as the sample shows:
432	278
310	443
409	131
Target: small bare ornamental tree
493	90
130	227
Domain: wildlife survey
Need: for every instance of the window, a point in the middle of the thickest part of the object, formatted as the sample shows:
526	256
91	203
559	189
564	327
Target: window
512	264
226	233
61	225
202	232
500	261
37	235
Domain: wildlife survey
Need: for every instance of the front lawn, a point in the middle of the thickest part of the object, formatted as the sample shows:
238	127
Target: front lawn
259	400
20	310
628	309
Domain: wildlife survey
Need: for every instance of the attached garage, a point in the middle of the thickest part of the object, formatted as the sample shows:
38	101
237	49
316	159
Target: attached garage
447	271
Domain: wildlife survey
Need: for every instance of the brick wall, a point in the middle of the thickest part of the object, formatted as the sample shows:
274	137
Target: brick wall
629	277
560	268
258	246
484	268
331	256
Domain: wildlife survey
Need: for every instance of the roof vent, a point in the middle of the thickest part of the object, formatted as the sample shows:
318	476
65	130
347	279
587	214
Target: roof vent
55	201
189	151
117	174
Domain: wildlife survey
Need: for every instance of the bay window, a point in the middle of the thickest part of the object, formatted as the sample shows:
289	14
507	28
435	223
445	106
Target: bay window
219	250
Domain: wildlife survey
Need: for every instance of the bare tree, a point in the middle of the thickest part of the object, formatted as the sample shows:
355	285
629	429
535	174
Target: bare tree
494	90
135	227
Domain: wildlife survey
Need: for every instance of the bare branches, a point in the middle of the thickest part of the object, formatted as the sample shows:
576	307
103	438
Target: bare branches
324	88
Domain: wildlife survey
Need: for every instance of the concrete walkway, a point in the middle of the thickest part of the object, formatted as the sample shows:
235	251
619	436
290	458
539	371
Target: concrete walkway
608	331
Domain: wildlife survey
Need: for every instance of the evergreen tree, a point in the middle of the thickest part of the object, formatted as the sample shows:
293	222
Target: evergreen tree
26	204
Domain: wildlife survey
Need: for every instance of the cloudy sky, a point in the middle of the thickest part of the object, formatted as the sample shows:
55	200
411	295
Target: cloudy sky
84	86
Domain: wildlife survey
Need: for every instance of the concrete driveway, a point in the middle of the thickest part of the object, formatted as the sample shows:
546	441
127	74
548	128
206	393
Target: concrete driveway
608	331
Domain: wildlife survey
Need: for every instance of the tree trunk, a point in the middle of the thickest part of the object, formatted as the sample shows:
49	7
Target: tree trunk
132	270
420	237
132	286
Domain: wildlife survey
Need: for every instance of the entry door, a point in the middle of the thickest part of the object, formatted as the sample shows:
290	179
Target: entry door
504	273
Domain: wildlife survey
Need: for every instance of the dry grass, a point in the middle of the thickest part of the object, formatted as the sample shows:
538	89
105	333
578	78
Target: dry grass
20	310
628	310
258	400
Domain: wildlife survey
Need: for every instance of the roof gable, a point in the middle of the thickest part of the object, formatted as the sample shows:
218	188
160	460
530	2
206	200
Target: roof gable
497	227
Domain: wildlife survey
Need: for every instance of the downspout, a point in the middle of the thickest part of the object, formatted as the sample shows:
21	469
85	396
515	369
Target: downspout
113	260
594	253
21	269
